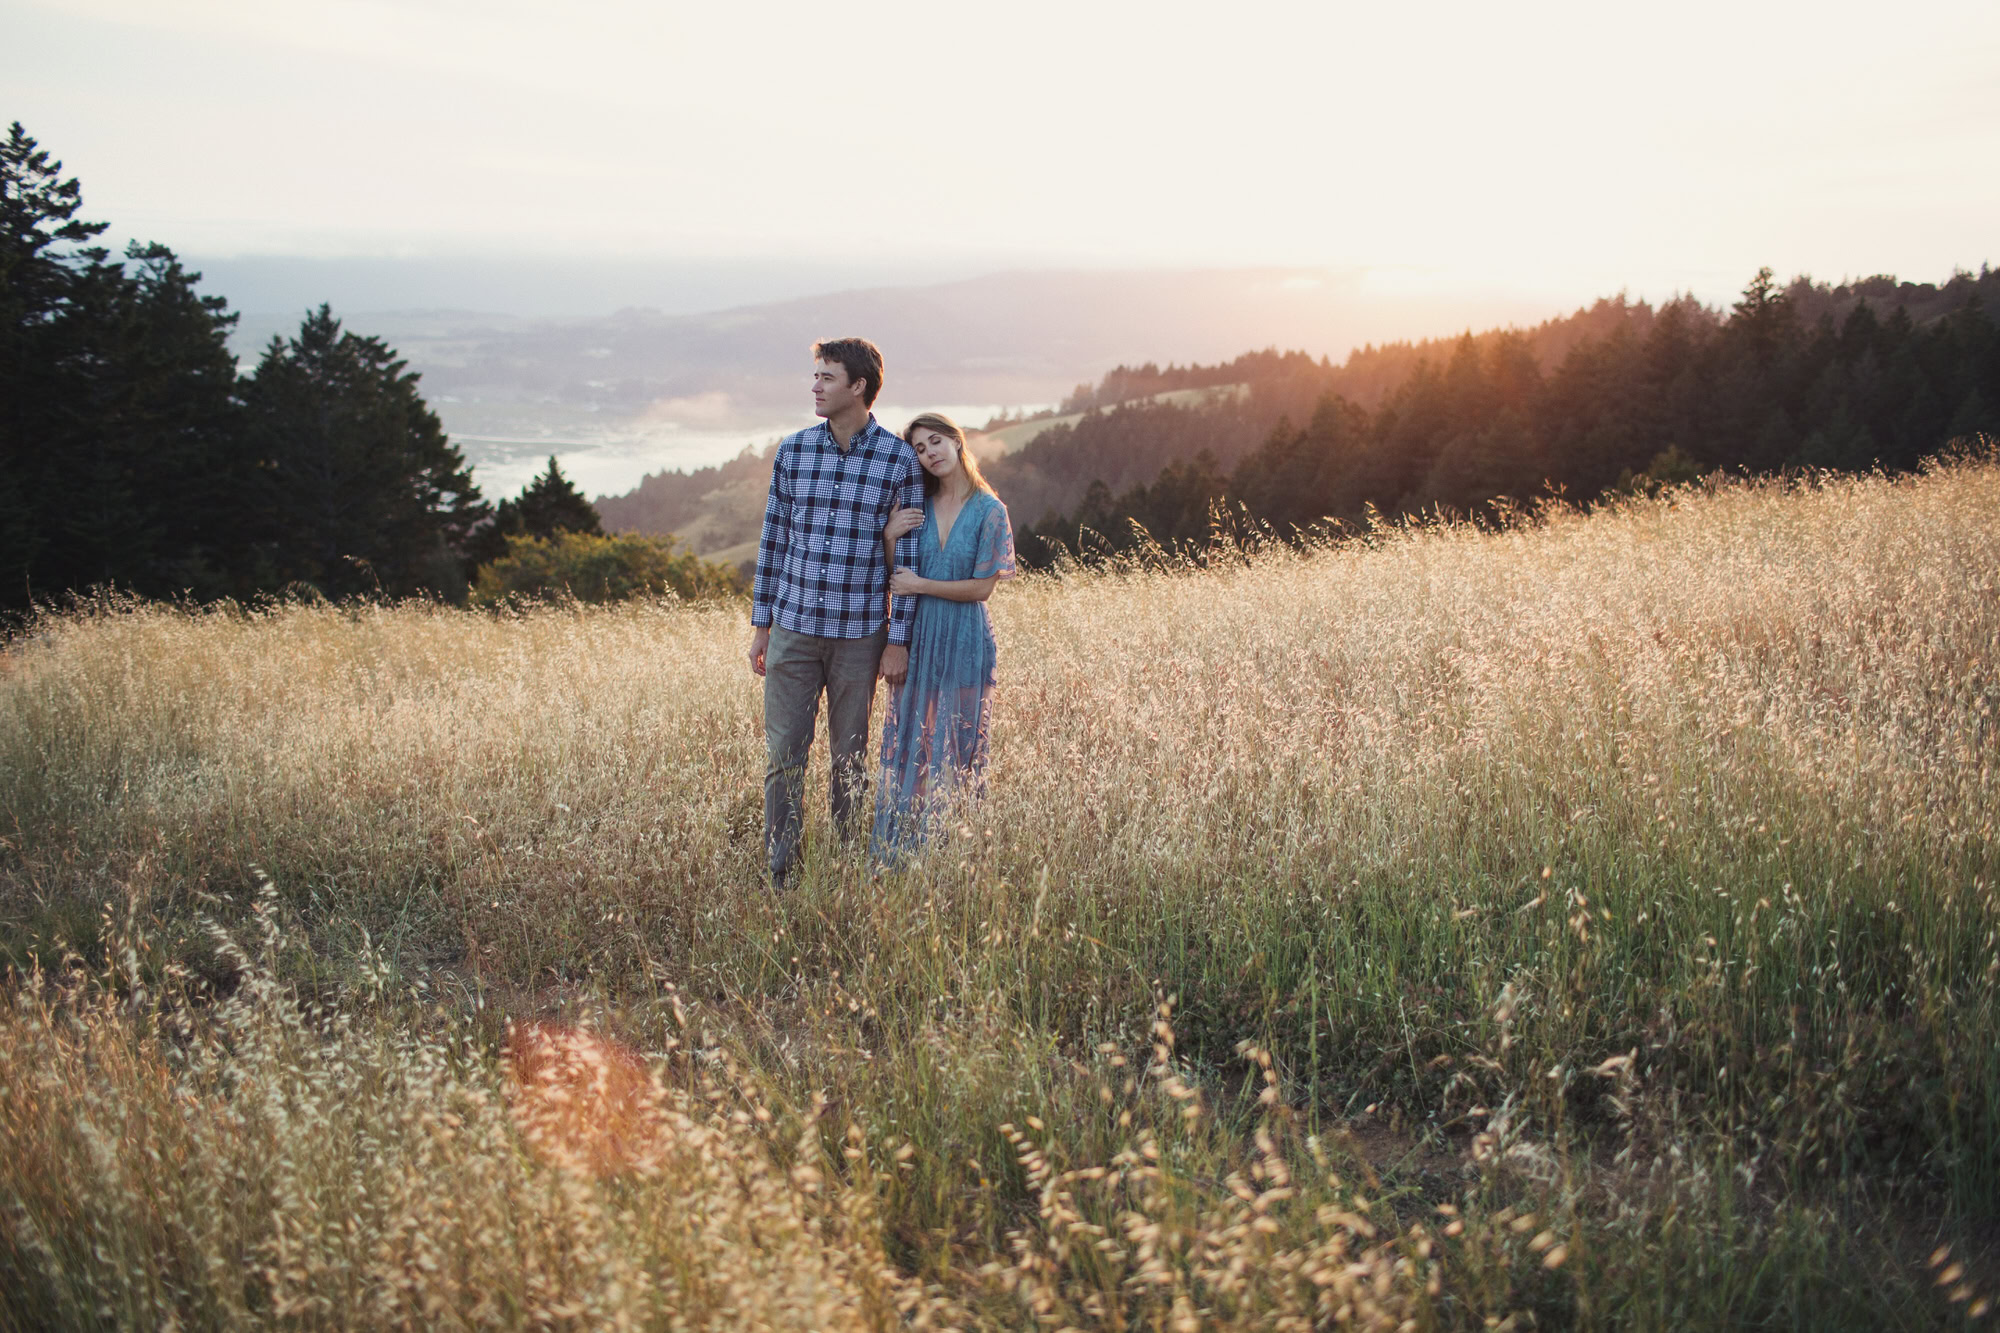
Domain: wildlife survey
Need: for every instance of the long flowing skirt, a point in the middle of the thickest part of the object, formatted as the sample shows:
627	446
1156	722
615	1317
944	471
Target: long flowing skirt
936	732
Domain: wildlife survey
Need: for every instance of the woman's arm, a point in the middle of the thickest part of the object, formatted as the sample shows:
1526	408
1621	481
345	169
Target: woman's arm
901	523
908	582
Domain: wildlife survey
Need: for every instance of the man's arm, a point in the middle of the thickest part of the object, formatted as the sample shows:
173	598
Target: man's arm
771	544
909	495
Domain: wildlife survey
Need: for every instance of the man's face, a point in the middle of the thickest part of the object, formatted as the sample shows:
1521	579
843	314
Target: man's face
832	393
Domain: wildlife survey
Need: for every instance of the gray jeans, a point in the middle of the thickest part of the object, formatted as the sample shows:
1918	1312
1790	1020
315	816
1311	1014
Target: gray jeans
796	668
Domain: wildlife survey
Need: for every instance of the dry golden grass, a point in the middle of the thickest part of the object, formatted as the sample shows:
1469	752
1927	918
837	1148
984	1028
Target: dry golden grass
1638	868
261	1166
580	1099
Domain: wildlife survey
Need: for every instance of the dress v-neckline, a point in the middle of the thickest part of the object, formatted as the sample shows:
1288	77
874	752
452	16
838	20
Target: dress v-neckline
945	534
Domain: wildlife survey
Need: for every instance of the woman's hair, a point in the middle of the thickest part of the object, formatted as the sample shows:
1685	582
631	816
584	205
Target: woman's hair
948	428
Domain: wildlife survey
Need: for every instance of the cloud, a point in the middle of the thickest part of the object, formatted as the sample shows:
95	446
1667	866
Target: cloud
710	410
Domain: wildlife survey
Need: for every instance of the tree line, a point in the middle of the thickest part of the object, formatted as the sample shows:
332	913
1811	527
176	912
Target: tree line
1123	440
133	455
1871	374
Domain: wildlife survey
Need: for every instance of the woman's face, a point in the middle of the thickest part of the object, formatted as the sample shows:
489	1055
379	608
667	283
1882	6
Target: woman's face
937	451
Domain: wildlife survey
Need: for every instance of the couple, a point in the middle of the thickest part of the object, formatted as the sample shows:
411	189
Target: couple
859	519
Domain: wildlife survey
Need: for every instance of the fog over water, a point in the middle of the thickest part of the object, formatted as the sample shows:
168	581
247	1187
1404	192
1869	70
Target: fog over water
428	308
508	434
620	392
614	460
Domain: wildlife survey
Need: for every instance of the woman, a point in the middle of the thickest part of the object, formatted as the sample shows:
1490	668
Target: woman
934	736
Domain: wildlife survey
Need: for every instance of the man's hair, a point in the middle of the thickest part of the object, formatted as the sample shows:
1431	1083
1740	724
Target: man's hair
860	358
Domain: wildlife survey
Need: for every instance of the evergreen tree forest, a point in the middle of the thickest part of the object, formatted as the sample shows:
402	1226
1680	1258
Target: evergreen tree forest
1875	374
133	456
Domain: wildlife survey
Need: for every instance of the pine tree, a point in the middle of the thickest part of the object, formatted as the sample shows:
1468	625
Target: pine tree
548	505
42	246
119	432
152	467
1973	418
1762	319
362	490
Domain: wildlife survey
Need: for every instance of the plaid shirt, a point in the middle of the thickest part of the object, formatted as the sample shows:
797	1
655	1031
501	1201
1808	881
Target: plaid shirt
819	562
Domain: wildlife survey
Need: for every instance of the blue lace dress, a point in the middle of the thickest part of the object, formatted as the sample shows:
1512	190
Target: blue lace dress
935	733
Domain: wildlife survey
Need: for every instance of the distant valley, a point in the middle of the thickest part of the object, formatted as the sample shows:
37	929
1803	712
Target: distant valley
639	392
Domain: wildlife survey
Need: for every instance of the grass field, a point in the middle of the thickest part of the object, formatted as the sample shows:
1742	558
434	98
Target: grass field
1589	924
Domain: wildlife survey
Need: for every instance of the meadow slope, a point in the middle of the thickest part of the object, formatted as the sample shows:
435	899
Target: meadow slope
1591	924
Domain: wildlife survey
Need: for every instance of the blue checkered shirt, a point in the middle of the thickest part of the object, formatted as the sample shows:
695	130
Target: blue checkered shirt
819	562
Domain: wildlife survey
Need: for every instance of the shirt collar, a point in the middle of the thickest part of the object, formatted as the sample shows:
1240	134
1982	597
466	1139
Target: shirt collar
864	436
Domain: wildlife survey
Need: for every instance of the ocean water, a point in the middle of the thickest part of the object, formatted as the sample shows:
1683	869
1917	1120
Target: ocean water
508	447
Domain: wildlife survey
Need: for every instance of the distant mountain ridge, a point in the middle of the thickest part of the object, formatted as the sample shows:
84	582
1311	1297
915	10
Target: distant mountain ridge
1137	420
1003	338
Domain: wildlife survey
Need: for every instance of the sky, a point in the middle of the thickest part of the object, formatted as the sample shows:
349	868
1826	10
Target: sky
1557	150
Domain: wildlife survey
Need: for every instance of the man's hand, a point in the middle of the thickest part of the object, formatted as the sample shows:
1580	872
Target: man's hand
760	643
895	664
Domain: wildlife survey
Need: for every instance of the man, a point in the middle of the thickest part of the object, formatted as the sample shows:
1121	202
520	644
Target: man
817	605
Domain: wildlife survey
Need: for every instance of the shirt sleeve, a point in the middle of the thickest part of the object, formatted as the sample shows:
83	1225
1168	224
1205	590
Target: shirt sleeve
994	557
772	542
909	495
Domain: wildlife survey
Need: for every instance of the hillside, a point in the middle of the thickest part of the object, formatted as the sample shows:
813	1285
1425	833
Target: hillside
1091	464
718	510
1119	432
1588	922
1619	395
711	509
1095	471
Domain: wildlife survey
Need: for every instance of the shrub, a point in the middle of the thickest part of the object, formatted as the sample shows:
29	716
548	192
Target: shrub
600	569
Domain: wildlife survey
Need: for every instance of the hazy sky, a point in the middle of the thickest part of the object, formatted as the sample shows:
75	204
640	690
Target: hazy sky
1558	149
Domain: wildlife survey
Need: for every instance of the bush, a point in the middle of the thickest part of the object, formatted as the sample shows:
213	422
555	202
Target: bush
600	569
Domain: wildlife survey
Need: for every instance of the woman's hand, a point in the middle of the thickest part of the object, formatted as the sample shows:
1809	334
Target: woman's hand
902	523
905	582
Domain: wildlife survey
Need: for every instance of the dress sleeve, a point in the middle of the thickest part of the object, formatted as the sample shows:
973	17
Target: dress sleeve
995	556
